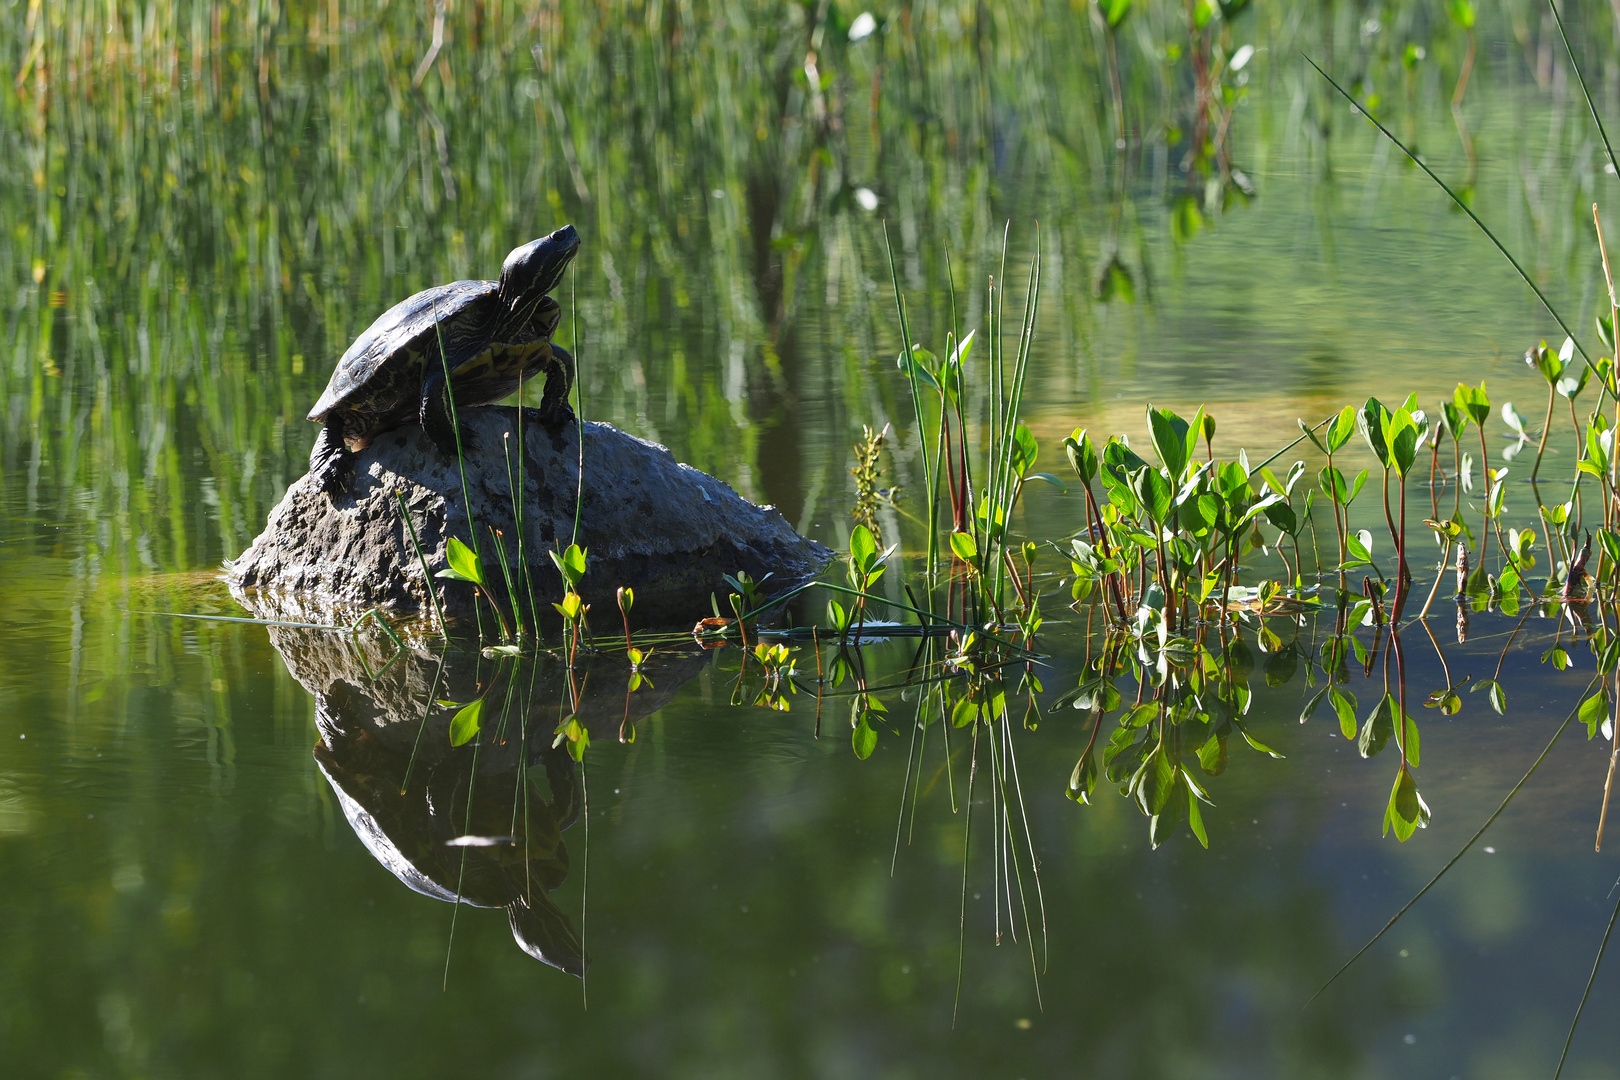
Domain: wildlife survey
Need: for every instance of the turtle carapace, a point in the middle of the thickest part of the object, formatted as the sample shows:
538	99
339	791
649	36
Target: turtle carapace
488	335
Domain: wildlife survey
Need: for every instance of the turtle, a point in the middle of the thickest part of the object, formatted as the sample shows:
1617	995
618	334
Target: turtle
493	334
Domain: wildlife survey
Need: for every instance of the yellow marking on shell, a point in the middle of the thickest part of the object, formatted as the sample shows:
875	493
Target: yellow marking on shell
497	360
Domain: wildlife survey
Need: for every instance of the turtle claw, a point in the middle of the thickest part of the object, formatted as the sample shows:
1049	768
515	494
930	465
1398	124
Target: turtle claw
331	463
336	476
559	417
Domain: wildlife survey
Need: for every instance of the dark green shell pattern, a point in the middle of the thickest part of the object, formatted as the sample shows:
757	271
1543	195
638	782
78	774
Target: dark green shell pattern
377	383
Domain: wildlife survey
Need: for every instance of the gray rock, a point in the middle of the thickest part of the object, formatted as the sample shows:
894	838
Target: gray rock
648	522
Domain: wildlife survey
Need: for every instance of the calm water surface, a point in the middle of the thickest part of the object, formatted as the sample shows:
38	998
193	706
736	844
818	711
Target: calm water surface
200	218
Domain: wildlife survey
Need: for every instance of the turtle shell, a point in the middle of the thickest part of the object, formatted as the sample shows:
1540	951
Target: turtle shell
379	377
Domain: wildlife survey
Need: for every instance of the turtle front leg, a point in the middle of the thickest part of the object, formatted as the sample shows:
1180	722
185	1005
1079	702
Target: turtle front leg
331	463
435	417
559	381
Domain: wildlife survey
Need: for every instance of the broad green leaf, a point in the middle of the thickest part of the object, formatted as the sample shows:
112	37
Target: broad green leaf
1152	490
464	565
1082	455
1411	737
1379	727
1141	715
579	739
1360	545
863	739
1083	780
1407	812
1473	402
465	724
837	616
1452	419
1571	386
1165	779
574	559
1163	824
1212	755
1310	706
965	712
916	368
1195	818
1344	704
1025	450
1547	364
1355	486
964	546
1256	743
1169	433
1371	420
862	548
1403	449
1282	516
1595	710
1343	429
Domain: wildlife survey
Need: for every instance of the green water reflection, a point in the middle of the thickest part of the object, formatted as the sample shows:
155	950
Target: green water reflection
203	204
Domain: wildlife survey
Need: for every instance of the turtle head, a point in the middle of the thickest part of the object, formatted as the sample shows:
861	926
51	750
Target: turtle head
534	269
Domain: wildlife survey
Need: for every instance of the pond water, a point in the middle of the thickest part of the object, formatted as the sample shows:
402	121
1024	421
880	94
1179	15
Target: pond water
204	205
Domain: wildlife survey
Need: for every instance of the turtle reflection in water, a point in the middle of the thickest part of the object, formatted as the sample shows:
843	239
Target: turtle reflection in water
488	335
501	852
469	821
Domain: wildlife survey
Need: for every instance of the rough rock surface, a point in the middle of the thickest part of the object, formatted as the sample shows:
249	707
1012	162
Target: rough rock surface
648	522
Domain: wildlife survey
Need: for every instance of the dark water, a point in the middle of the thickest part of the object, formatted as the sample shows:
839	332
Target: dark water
199	220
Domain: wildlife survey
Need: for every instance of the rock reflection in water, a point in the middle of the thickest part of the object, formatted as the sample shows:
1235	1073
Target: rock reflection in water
468	821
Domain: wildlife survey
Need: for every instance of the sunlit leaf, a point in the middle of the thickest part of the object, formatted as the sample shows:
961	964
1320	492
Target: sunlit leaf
1257	744
1594	711
464	565
1380	726
465	724
864	740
